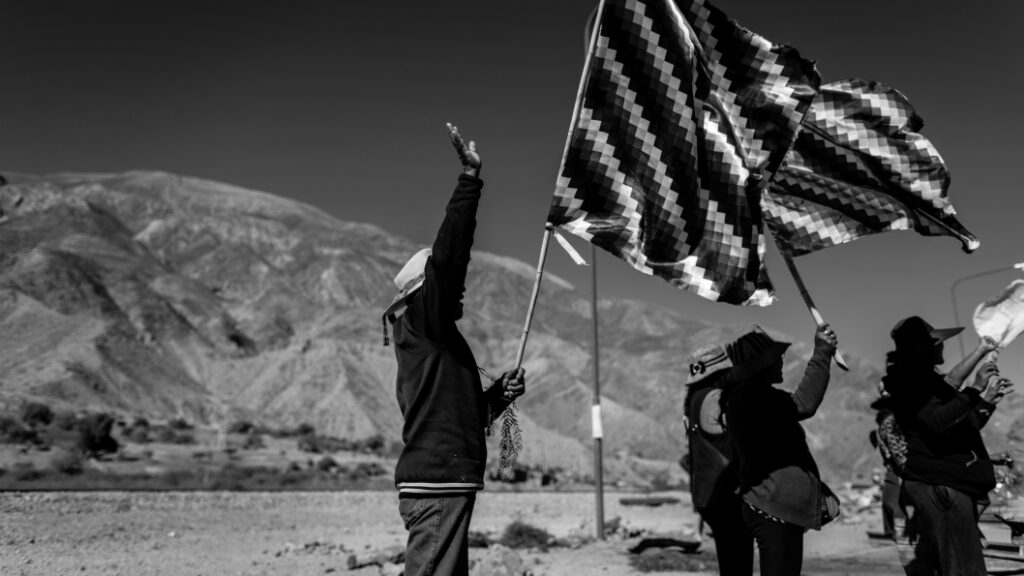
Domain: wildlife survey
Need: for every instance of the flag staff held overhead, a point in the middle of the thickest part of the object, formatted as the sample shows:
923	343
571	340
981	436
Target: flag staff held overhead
533	296
840	360
597	433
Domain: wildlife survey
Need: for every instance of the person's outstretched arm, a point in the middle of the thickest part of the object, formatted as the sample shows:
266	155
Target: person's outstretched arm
445	276
809	394
940	415
963	369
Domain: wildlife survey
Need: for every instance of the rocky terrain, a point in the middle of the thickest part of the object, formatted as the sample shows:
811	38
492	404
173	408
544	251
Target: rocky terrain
153	295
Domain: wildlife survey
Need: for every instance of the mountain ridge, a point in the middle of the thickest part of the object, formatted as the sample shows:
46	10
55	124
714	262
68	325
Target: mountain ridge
152	294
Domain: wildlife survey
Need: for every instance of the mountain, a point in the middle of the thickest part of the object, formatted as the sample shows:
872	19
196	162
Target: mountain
156	295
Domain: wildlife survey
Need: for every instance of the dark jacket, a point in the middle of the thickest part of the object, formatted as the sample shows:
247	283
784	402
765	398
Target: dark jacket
777	473
942	427
439	390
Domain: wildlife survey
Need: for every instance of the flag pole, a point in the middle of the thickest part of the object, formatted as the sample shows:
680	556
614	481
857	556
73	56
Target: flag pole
840	361
536	291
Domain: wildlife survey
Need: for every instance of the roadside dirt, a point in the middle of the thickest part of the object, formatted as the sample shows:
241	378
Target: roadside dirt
294	534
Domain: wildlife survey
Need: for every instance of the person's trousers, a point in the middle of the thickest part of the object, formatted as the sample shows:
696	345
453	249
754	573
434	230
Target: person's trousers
945	522
734	544
780	544
891	510
438	528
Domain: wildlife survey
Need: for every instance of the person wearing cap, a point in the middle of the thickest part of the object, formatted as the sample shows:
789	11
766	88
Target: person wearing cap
948	471
444	405
710	461
778	481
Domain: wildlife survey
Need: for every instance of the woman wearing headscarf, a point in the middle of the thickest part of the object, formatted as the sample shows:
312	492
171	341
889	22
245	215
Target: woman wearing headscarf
948	472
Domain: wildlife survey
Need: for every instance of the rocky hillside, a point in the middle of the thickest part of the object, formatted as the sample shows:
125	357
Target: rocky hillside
156	295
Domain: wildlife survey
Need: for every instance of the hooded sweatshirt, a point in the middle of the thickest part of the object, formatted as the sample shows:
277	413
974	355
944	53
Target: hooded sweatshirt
439	389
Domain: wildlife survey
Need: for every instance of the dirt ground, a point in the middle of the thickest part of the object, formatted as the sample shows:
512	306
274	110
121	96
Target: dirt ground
297	534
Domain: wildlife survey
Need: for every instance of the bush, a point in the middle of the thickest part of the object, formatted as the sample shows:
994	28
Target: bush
305	430
667	560
374	444
519	534
169	436
94	437
326	464
179	424
12	431
36	414
309	443
254	441
240	427
364	470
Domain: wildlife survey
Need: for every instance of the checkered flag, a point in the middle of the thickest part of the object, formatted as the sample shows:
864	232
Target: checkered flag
858	167
681	114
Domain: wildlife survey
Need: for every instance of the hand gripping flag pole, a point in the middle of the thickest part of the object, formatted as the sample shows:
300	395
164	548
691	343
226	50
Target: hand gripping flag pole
511	438
840	360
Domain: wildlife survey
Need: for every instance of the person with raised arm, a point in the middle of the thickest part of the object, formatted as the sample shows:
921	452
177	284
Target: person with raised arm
445	407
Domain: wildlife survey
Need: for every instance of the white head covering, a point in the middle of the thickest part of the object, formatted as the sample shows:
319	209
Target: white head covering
408	281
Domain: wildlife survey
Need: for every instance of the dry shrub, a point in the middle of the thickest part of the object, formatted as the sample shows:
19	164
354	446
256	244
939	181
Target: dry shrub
667	560
519	534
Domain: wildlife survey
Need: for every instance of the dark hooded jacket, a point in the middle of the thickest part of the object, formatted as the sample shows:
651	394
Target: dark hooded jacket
439	390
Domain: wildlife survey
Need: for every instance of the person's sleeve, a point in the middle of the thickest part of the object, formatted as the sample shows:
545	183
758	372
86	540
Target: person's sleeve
445	275
938	416
983	412
808	395
496	402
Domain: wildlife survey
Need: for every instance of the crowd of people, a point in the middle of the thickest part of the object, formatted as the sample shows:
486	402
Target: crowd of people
754	480
752	475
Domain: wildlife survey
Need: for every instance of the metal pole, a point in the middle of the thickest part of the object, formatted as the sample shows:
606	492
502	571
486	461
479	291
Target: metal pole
952	295
597	431
596	427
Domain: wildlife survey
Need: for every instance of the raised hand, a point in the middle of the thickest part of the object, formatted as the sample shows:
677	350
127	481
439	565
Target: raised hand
825	335
998	387
467	154
988	344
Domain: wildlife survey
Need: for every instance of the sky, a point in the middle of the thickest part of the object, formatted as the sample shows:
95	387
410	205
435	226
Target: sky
343	105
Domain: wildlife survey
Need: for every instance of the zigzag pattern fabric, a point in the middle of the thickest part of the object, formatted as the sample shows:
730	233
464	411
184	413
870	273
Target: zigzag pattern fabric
859	166
682	114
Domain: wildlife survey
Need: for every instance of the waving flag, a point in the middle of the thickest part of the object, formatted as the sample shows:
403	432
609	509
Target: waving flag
859	166
1002	317
681	114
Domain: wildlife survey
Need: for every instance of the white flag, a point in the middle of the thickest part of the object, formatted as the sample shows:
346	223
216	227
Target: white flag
1002	317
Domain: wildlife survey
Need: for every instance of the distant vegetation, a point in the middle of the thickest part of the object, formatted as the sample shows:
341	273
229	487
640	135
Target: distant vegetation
43	449
46	449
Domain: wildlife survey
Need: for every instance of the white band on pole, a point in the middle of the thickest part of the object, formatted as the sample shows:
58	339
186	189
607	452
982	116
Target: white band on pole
595	421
